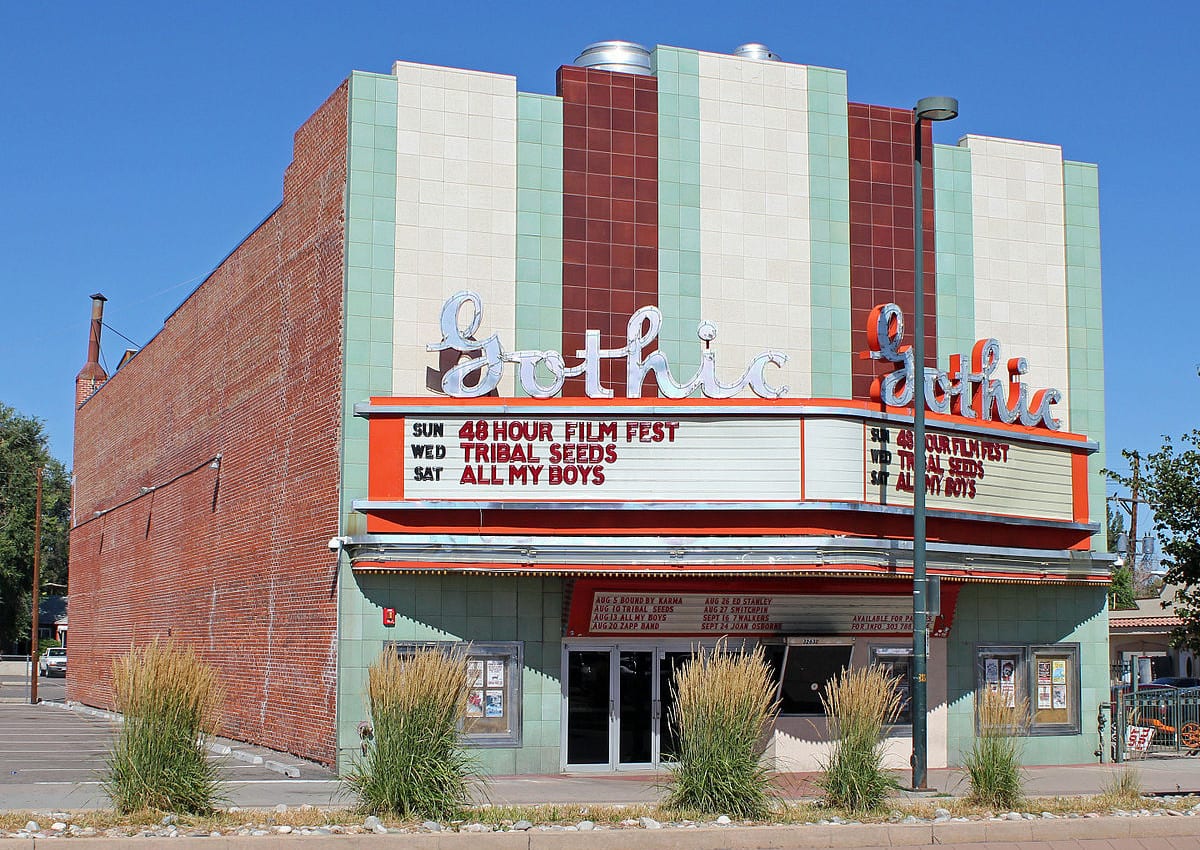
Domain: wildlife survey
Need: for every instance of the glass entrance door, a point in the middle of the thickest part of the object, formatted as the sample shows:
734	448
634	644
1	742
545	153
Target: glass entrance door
589	707
617	703
668	663
636	718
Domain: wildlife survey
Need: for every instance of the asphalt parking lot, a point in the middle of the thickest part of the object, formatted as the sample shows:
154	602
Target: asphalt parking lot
52	758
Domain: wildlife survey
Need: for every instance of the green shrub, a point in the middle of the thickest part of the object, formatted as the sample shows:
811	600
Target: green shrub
413	763
993	764
859	703
170	700
724	703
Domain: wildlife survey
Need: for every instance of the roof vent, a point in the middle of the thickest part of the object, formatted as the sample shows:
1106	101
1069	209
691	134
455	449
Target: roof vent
754	50
624	57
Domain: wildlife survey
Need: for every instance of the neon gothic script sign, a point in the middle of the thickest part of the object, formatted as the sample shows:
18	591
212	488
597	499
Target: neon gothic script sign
973	394
642	329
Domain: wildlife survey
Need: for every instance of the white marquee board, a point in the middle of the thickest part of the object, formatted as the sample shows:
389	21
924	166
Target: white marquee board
743	459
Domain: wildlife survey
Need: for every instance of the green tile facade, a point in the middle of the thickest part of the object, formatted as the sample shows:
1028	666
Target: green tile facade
1085	332
367	367
829	223
678	73
955	254
539	225
992	614
454	608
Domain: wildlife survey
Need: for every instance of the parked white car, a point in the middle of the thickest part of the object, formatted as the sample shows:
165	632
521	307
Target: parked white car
53	662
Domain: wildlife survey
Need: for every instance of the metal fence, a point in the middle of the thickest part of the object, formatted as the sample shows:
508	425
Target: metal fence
1156	720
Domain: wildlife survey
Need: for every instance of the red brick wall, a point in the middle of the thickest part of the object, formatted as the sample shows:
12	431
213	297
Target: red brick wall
610	210
233	561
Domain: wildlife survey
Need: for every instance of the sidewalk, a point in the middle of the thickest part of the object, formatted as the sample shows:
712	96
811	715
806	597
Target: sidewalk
1159	776
51	760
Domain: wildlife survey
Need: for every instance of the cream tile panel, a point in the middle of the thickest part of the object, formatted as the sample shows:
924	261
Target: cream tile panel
754	231
1020	255
456	201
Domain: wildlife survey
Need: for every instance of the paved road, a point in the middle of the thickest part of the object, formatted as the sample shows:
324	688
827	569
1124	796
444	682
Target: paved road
15	689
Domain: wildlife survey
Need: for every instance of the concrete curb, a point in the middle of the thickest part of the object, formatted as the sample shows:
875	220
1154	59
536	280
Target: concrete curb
703	838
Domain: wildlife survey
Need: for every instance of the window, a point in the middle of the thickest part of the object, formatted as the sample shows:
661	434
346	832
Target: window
493	717
1056	699
897	661
805	666
1044	679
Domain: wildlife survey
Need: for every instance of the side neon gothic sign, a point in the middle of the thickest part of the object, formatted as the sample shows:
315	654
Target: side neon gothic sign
972	393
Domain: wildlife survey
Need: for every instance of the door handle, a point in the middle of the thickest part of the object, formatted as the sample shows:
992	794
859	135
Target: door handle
612	708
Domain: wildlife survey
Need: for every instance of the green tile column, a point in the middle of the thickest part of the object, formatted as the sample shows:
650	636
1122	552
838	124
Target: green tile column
539	224
955	253
1085	331
829	222
367	342
478	608
678	73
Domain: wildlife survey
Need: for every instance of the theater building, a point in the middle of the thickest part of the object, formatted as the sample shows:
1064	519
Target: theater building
584	381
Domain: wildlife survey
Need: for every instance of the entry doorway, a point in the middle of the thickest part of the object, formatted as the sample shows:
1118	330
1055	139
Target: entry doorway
617	699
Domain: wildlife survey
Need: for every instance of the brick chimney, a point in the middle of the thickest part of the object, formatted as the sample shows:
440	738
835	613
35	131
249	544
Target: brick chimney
92	375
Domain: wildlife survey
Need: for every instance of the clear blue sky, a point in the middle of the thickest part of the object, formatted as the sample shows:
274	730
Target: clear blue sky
141	141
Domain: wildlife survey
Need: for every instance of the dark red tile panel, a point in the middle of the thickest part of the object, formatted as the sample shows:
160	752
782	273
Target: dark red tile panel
881	228
610	209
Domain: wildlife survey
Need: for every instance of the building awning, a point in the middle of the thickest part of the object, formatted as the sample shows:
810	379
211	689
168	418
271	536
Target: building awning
1127	623
671	556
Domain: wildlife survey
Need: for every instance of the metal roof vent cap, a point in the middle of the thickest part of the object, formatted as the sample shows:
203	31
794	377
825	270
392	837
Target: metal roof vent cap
754	50
624	57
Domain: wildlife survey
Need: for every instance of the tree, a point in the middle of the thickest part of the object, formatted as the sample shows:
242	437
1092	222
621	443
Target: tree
1170	485
24	448
1122	595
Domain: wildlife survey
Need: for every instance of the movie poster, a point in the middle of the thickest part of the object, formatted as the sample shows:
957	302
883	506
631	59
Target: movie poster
1008	682
1043	696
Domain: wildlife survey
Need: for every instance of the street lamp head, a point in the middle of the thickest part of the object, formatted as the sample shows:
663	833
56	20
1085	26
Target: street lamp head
936	108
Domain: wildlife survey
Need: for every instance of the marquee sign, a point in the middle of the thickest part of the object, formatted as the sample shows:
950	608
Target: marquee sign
621	612
747	456
714	608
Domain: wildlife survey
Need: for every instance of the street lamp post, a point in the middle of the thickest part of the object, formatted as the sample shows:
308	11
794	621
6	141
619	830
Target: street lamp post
927	109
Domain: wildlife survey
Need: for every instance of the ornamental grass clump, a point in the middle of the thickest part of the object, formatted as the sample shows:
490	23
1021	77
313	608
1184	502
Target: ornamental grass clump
1123	789
413	763
993	764
724	703
860	703
171	701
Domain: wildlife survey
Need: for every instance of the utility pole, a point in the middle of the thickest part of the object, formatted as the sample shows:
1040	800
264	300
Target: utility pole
1133	512
37	563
